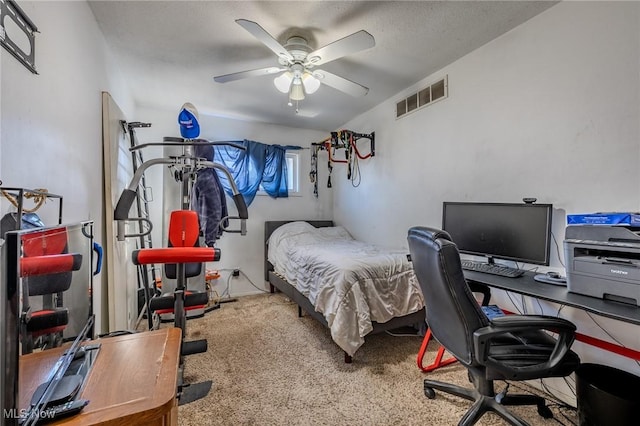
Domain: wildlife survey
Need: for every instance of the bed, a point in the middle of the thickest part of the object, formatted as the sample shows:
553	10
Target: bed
353	288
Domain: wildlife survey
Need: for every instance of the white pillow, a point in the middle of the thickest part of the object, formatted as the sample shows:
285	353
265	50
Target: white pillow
286	237
335	233
288	230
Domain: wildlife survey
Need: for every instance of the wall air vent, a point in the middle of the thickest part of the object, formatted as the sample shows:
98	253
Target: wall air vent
430	94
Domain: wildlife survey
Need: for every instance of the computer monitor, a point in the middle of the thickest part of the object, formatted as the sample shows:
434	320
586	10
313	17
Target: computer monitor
517	232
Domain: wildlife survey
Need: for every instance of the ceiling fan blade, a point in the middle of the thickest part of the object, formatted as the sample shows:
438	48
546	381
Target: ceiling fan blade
262	35
340	83
350	44
246	74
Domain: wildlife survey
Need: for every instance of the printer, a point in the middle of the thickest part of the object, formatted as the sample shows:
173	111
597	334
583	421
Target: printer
603	259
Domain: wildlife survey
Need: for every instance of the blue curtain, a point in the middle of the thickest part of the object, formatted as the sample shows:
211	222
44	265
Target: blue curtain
258	164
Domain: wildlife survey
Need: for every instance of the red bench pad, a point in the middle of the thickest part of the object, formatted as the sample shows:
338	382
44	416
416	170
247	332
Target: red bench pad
173	255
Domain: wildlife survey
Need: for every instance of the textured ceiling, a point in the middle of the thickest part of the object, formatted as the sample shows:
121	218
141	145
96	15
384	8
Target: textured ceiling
169	51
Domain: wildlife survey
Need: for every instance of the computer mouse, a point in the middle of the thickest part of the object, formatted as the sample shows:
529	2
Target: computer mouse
552	274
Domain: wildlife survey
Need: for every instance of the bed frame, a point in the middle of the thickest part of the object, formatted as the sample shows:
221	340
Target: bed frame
304	305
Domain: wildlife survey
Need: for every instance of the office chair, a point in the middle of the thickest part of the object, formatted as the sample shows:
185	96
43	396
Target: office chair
439	361
513	347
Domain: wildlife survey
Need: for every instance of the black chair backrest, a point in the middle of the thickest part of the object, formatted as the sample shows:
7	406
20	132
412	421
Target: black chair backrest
452	311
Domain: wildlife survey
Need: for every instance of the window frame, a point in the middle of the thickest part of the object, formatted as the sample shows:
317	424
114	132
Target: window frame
293	175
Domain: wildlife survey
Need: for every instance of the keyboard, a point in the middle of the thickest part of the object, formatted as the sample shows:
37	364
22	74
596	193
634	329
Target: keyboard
503	271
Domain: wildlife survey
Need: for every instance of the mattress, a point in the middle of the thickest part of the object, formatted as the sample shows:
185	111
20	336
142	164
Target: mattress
352	283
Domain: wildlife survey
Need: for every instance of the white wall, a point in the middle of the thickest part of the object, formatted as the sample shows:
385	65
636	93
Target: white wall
243	252
549	110
51	127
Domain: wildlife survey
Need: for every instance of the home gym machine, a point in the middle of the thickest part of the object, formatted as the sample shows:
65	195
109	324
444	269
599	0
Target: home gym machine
183	258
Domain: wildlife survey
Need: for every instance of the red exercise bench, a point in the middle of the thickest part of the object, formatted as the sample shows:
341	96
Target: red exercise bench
183	258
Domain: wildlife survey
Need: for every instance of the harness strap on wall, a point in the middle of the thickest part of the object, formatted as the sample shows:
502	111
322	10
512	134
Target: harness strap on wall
342	139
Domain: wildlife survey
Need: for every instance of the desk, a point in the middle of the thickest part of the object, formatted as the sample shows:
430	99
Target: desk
527	286
558	294
132	382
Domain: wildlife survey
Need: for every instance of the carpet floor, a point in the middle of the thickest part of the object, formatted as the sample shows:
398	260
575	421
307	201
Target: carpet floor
270	367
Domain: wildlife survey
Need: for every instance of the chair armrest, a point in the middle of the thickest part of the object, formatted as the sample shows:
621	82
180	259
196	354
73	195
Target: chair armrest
476	287
517	323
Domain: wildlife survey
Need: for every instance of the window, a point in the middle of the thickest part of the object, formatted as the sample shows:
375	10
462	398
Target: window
293	174
258	164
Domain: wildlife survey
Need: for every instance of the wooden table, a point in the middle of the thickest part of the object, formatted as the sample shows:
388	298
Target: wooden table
132	382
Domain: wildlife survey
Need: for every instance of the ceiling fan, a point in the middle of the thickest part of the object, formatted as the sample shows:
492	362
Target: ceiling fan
298	61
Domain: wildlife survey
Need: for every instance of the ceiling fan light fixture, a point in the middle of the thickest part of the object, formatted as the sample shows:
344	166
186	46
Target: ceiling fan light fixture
283	82
311	84
297	92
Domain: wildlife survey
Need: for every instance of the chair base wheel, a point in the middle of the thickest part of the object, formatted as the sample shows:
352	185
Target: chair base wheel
429	392
545	412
